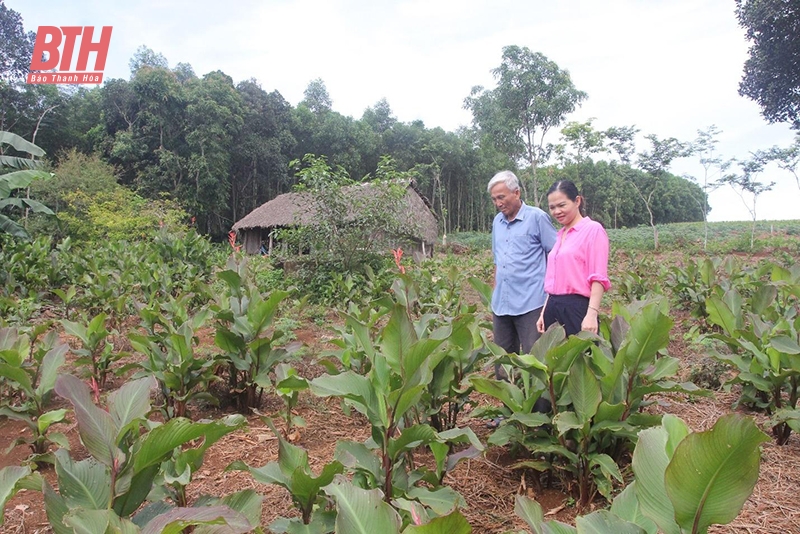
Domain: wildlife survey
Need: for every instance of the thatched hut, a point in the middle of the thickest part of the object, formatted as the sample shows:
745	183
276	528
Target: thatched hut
416	217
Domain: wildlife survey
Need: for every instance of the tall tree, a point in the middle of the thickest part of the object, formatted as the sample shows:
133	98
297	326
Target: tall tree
316	97
16	46
788	159
655	161
533	96
746	184
772	72
705	146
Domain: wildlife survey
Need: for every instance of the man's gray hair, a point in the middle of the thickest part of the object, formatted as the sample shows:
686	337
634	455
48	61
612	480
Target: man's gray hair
506	177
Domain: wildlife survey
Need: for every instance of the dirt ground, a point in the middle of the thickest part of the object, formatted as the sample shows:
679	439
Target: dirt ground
487	483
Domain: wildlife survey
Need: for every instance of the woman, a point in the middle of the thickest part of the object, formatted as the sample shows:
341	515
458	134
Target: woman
577	267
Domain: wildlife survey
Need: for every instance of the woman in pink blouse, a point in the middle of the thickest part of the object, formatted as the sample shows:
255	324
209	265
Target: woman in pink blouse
577	266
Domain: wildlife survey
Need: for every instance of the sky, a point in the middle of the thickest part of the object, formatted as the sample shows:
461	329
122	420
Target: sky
669	67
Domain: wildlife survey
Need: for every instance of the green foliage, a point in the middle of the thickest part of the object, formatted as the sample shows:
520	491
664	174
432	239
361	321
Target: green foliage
596	391
16	180
244	320
762	332
96	351
28	370
684	483
182	373
345	224
127	452
402	356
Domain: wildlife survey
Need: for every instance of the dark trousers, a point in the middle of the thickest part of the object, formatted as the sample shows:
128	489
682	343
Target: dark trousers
566	310
515	333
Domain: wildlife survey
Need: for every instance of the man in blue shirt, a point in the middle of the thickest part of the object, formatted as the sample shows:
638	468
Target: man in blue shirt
522	236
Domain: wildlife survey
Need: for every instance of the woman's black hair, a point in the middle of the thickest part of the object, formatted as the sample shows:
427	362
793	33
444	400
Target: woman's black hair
570	190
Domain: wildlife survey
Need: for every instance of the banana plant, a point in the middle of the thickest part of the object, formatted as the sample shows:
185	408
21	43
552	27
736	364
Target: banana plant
684	482
403	355
32	371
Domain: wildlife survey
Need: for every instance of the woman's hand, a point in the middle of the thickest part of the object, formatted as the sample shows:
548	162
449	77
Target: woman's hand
589	322
540	323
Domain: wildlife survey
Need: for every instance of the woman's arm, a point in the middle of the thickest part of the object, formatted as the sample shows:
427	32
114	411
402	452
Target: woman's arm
590	323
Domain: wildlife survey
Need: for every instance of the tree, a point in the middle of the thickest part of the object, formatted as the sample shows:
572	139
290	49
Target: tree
582	139
533	96
16	46
146	57
705	147
772	71
655	161
787	159
316	97
746	184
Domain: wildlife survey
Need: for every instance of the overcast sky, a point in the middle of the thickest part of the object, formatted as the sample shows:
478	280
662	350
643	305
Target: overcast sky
669	67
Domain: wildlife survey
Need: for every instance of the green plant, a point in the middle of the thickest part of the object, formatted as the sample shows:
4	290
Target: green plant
183	375
96	351
597	388
30	368
685	482
763	333
288	385
402	356
101	493
293	472
243	323
18	180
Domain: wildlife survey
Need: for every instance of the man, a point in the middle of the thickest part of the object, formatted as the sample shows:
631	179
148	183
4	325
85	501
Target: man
522	236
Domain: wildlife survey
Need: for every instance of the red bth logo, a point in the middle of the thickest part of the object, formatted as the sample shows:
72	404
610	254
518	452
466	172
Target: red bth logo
49	41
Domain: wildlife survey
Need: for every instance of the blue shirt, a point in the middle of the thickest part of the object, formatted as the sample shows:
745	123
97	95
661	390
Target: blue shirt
520	250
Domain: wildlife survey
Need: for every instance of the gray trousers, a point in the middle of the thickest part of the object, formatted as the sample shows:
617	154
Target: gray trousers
515	333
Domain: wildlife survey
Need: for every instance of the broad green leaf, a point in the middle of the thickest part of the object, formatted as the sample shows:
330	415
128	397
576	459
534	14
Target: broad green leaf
246	502
626	506
20	144
607	465
85	484
96	426
584	388
713	473
131	401
361	511
98	522
720	315
48	418
356	455
56	508
51	362
649	463
177	519
507	393
162	440
604	522
398	337
350	386
531	420
410	438
763	298
649	333
10	477
566	421
453	523
18	375
785	344
676	431
442	500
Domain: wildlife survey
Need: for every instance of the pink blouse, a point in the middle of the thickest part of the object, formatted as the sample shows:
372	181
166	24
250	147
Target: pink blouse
578	258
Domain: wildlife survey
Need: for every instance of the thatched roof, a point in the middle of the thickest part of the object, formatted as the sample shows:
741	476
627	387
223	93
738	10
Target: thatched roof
291	209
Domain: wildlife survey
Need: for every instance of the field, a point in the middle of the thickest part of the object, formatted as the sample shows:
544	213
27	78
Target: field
195	336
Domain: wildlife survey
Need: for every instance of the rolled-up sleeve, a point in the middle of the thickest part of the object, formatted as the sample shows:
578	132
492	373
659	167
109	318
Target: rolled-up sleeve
597	257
